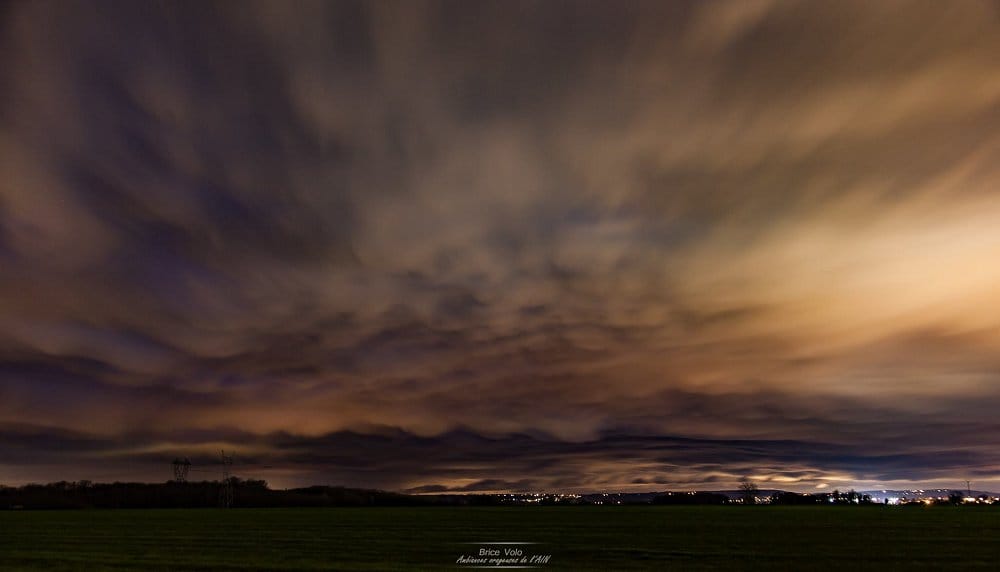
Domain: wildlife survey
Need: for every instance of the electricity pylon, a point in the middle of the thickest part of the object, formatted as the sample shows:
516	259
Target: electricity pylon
181	469
226	491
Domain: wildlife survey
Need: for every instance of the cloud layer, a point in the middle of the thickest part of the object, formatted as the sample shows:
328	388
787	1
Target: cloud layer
485	245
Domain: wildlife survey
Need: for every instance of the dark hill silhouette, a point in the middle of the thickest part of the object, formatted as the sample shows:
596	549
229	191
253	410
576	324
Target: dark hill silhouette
255	493
246	493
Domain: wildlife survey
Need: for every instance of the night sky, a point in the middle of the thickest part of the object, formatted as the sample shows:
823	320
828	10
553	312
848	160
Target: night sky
491	246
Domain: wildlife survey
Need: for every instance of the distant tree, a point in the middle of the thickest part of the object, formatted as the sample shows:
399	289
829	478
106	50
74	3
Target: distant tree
748	490
955	497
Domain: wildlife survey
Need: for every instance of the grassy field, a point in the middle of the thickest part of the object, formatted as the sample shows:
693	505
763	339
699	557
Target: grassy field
577	538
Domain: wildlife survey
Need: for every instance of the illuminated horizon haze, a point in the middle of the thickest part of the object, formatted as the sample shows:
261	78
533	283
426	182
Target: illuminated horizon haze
502	246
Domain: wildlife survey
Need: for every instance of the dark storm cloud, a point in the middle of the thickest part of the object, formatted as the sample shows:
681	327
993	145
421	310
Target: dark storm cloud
588	232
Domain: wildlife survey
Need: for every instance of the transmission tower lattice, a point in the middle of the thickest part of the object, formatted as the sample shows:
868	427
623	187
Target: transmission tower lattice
181	469
226	491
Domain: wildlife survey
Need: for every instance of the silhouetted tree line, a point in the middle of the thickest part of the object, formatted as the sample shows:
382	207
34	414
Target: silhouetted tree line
787	498
777	498
689	498
246	493
255	493
836	497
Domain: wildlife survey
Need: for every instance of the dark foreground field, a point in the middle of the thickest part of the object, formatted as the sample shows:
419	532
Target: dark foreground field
577	538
